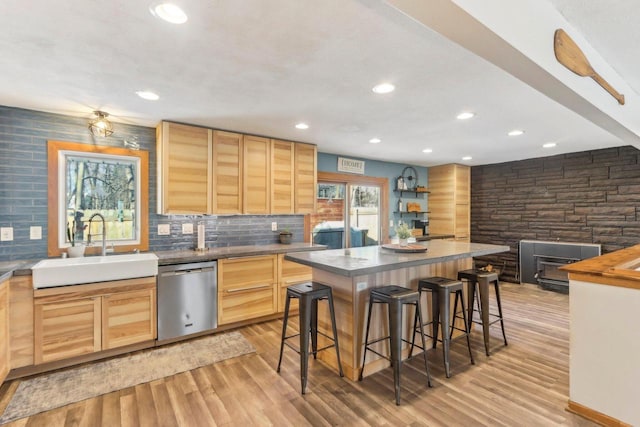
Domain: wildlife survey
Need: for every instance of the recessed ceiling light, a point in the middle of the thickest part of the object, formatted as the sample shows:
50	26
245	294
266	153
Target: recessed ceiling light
427	150
549	145
375	140
467	158
516	132
384	88
168	12
465	115
302	126
149	96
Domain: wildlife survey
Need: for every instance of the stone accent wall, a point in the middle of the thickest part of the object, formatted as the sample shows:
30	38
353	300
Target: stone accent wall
585	197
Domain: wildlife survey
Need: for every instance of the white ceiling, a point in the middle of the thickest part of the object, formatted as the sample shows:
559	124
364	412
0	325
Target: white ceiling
260	67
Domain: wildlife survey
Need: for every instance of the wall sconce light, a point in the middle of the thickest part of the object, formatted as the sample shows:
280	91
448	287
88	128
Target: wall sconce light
100	126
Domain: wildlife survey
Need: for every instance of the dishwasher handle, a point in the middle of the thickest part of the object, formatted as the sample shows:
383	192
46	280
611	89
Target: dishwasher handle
186	271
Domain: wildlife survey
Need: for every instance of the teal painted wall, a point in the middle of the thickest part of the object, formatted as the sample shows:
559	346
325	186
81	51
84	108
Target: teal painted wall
391	171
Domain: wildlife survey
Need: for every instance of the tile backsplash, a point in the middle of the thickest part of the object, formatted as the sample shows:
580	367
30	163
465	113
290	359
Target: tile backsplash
24	199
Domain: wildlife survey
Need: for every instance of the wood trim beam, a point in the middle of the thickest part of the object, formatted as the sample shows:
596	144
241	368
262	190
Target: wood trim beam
595	416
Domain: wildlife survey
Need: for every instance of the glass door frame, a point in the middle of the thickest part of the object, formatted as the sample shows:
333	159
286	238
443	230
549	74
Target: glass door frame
349	179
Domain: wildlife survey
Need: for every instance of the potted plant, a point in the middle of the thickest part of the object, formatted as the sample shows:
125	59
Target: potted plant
403	232
74	251
285	236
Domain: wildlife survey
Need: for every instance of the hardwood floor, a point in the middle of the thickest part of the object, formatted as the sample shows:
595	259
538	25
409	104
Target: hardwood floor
523	384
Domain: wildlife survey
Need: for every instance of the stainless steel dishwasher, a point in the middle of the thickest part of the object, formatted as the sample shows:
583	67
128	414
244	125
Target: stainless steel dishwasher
187	299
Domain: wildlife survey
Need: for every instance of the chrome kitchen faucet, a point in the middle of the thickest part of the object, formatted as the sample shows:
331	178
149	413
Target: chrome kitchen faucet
104	233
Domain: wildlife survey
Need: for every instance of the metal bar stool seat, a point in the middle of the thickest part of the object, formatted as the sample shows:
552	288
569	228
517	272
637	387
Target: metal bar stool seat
480	280
308	294
441	289
395	297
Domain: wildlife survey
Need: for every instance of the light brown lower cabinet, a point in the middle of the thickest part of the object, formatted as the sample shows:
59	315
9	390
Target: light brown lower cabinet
4	330
21	321
76	320
290	273
128	318
66	329
247	288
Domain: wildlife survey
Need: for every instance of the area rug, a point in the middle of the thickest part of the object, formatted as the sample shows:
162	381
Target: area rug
61	388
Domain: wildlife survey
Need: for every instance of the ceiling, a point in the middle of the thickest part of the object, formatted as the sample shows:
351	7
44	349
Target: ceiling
261	67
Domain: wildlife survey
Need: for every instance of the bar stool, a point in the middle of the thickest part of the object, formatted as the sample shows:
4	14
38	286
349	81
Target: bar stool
483	279
395	297
441	288
308	294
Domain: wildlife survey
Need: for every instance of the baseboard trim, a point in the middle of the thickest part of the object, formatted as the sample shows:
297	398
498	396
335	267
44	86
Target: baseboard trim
595	416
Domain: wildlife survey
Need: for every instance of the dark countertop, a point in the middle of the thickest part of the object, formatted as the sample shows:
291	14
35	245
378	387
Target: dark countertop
212	254
429	237
5	274
23	267
374	259
15	268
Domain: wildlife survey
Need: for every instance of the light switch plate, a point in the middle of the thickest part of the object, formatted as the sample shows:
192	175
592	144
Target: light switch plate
187	228
391	223
6	234
35	232
164	229
274	226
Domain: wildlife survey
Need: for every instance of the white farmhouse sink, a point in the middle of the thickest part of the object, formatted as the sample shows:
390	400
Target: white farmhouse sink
73	271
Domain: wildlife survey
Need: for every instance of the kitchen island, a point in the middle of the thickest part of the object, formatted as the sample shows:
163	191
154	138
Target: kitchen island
353	272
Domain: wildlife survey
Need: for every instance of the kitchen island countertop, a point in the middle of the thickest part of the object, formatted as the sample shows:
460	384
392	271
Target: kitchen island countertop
374	259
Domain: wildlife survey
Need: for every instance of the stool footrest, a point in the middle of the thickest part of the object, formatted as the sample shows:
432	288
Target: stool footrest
382	339
297	350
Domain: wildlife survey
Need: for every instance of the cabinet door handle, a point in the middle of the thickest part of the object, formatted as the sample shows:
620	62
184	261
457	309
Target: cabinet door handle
246	257
249	288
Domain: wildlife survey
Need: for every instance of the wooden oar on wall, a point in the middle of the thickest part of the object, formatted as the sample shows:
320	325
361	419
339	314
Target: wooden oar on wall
569	54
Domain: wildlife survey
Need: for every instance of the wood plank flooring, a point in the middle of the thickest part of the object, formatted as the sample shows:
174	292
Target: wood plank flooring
523	384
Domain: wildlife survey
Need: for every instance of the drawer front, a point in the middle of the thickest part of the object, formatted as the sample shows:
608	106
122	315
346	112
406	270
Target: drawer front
235	305
246	272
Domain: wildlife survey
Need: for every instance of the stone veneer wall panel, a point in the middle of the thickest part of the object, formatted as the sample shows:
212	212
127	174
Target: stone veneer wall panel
586	197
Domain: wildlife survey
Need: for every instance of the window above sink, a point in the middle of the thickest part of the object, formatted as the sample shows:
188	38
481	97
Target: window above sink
85	180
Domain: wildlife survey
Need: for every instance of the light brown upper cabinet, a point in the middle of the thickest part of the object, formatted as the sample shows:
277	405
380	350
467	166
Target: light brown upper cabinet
256	175
449	200
227	172
306	178
204	171
184	165
281	177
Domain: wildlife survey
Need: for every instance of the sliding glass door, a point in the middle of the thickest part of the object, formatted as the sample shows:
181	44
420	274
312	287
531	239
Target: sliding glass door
348	215
364	215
